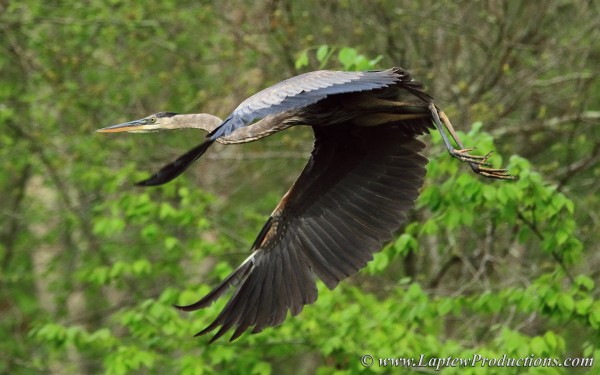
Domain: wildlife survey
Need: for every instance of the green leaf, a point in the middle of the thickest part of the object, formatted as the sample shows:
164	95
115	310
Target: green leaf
583	307
379	263
261	368
171	242
347	57
430	227
566	303
584	282
99	275
489	193
551	298
141	266
375	61
538	345
570	206
551	340
595	315
361	63
445	306
118	269
405	243
166	211
561	237
302	60
322	52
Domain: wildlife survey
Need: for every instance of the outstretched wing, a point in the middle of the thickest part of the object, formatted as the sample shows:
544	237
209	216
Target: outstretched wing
303	90
352	195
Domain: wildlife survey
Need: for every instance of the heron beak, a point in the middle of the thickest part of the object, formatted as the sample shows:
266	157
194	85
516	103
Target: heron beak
131	126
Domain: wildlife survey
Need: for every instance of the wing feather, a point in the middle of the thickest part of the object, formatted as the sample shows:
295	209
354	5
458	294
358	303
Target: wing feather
319	262
303	90
350	198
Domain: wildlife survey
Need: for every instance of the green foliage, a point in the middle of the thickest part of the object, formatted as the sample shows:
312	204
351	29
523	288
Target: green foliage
412	319
91	266
348	57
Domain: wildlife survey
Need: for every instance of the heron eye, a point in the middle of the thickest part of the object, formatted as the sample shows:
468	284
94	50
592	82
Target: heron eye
153	120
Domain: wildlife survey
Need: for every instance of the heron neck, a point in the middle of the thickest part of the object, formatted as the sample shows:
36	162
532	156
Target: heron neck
202	121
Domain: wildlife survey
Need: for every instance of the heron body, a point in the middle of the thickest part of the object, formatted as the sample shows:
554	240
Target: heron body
363	176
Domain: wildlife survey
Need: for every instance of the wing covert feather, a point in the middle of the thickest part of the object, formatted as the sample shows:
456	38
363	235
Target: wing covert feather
303	90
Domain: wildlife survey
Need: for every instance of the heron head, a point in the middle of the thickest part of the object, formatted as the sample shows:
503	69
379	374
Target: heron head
153	123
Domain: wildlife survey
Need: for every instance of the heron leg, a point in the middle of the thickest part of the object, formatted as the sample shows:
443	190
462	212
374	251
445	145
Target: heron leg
479	164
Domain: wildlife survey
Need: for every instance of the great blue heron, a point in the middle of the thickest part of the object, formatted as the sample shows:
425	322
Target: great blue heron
364	174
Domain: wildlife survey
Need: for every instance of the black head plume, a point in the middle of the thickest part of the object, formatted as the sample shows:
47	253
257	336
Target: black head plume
165	114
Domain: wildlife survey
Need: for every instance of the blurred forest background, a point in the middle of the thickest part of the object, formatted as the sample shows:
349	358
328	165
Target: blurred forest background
90	265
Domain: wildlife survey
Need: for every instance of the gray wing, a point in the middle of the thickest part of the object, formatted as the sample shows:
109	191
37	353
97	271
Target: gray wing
303	90
352	195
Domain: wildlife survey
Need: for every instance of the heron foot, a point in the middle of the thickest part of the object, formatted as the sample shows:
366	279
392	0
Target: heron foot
480	165
464	155
500	174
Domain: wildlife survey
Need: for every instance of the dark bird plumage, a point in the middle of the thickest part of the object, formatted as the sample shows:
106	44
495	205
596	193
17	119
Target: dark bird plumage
363	176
